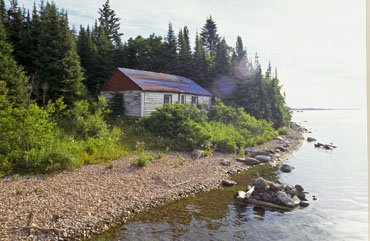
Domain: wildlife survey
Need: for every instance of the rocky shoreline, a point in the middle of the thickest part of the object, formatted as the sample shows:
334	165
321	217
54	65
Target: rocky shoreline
78	204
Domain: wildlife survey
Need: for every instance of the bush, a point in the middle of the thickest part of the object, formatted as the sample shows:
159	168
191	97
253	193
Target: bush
143	159
182	124
283	131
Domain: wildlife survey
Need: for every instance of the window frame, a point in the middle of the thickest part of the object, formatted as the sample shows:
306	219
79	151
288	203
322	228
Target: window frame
169	97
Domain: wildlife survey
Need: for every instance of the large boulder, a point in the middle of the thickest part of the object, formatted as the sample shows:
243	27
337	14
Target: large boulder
263	158
285	199
310	139
278	138
197	154
281	148
260	183
267	197
251	161
299	188
286	168
301	195
256	153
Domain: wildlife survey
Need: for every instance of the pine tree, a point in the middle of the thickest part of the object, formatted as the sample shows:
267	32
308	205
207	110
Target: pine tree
199	72
209	35
14	27
222	59
16	82
171	56
268	71
110	23
185	57
58	67
3	13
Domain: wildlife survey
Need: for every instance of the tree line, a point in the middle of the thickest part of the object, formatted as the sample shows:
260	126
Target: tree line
57	61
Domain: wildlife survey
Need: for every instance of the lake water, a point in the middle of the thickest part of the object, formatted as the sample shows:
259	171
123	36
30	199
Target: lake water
338	177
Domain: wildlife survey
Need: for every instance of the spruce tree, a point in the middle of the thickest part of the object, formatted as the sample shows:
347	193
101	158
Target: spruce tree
3	13
185	57
209	35
268	71
58	67
222	59
171	56
199	71
110	23
16	82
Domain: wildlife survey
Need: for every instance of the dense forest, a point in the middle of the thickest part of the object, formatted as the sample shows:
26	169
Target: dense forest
51	75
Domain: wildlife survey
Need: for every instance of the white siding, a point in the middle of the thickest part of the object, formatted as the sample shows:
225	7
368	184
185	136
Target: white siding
153	100
202	100
131	101
138	103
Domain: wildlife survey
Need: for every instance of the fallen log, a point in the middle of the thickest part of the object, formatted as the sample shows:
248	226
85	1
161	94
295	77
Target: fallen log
267	204
249	193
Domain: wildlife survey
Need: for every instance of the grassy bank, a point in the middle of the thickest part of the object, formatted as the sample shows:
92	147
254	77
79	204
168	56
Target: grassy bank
54	138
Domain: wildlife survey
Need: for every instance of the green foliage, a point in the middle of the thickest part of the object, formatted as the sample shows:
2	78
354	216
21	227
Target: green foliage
19	191
207	153
143	160
110	166
160	155
183	124
184	127
283	131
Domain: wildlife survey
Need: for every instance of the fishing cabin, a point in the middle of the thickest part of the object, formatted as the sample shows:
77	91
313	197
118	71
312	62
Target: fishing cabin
143	91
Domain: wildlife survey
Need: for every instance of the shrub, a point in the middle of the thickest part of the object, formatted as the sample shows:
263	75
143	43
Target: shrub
160	155
143	159
207	153
283	131
19	191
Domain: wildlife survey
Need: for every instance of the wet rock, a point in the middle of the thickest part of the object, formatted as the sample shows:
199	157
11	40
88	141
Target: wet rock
301	195
228	183
251	161
296	200
225	162
267	197
299	188
286	168
293	192
304	204
197	154
263	158
260	183
285	199
310	139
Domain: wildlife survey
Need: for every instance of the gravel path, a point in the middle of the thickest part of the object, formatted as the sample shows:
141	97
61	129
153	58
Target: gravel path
72	205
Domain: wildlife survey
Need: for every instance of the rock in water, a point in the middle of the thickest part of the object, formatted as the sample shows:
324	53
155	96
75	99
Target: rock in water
263	158
225	162
301	195
286	168
259	183
304	204
285	199
267	197
228	183
197	154
310	139
251	161
299	188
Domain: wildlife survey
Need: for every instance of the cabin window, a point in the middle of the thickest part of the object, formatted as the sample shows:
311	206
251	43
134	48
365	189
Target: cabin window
194	100
167	99
182	99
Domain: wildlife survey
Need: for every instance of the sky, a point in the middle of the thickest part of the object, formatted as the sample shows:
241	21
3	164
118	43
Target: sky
318	46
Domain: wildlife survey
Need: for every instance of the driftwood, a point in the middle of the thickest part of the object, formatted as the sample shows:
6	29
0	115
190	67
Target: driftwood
249	193
266	204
